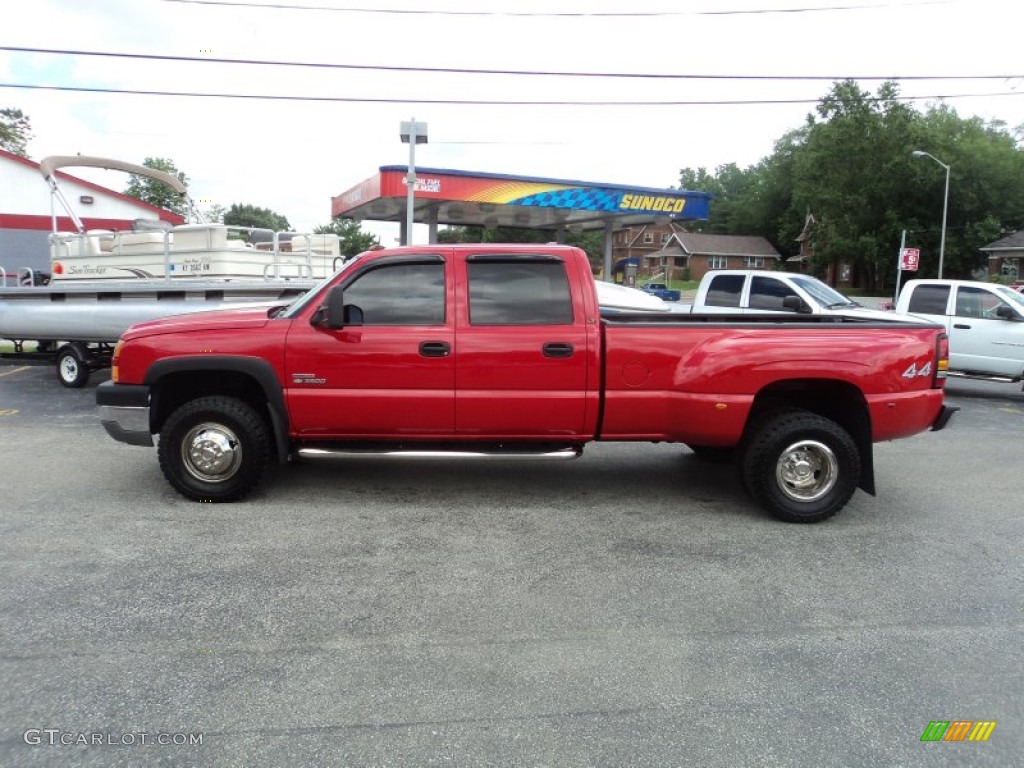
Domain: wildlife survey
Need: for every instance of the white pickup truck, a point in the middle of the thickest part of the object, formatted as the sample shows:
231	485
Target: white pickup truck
985	323
759	291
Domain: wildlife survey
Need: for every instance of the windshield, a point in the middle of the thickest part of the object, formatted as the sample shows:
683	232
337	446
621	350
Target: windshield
821	293
1013	297
300	303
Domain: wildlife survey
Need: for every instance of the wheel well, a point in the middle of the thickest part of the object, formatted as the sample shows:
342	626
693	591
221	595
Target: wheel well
177	388
838	401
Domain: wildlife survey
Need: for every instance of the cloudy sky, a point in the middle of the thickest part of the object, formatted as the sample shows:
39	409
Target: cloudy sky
293	155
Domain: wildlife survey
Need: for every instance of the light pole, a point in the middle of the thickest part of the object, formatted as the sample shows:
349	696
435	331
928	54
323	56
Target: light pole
412	133
945	205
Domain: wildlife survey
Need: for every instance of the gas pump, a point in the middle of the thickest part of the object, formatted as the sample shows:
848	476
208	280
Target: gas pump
631	270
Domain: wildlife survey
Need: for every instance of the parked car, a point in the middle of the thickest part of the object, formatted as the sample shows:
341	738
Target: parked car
985	323
662	291
764	292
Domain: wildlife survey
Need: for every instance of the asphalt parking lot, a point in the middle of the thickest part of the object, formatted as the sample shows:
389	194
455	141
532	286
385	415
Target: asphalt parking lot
629	608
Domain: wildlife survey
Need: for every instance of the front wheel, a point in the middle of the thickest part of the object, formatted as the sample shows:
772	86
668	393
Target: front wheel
214	449
801	467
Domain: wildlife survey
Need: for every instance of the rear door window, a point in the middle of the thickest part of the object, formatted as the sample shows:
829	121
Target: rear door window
518	292
724	291
929	300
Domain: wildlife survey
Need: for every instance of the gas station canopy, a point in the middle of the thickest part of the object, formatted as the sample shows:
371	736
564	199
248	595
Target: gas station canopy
463	198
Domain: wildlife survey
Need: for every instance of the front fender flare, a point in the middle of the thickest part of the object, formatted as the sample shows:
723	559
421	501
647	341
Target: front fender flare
261	371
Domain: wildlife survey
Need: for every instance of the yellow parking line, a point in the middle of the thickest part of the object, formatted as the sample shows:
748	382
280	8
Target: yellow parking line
15	370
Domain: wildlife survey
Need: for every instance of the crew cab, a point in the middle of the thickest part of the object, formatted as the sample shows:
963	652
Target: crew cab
760	291
503	351
984	321
662	291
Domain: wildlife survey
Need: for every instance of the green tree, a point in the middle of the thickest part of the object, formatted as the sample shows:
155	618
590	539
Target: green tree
156	192
214	214
15	131
245	215
353	240
851	165
728	184
986	188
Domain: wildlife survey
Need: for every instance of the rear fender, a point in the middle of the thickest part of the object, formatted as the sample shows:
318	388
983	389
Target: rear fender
835	400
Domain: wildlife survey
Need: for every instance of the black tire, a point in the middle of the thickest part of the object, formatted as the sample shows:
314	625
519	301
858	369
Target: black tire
214	449
801	467
72	367
713	454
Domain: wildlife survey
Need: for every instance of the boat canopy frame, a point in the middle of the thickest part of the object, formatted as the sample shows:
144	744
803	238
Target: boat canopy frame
49	165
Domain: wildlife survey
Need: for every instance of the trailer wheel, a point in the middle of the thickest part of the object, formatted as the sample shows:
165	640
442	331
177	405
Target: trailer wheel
801	467
214	449
73	366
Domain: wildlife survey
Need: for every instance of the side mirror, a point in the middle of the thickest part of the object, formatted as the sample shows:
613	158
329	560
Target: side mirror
795	304
1005	312
334	317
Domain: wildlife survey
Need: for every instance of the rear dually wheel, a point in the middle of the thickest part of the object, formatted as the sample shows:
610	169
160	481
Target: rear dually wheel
801	467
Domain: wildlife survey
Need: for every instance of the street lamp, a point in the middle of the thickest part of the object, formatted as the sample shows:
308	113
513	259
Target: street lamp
412	133
945	205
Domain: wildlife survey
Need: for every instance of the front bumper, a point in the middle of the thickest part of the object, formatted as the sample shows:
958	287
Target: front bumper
944	416
124	412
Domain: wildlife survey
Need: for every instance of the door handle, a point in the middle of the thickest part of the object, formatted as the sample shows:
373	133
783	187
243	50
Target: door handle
435	349
961	326
557	349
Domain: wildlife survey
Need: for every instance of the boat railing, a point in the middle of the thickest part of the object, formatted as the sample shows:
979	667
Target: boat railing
253	250
22	277
279	269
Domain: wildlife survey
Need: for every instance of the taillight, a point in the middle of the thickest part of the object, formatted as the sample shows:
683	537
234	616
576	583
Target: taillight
941	360
113	361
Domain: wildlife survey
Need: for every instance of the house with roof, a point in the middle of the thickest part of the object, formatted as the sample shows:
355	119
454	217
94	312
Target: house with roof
1006	256
28	215
665	250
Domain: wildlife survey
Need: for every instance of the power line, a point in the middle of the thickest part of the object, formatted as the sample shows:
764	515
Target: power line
470	71
483	102
557	14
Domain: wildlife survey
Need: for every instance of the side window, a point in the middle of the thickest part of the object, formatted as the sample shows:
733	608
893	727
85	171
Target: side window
929	300
399	294
519	293
976	302
724	291
768	293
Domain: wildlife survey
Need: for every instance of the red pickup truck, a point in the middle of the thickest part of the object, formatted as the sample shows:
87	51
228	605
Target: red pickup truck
502	350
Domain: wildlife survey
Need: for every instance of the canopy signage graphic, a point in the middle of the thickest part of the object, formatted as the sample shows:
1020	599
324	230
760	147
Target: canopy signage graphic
498	190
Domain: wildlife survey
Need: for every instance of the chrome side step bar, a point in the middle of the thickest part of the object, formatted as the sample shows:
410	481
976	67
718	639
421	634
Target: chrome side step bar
560	453
984	377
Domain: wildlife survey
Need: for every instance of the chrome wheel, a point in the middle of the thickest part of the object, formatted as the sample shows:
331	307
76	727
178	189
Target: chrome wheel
211	452
807	470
